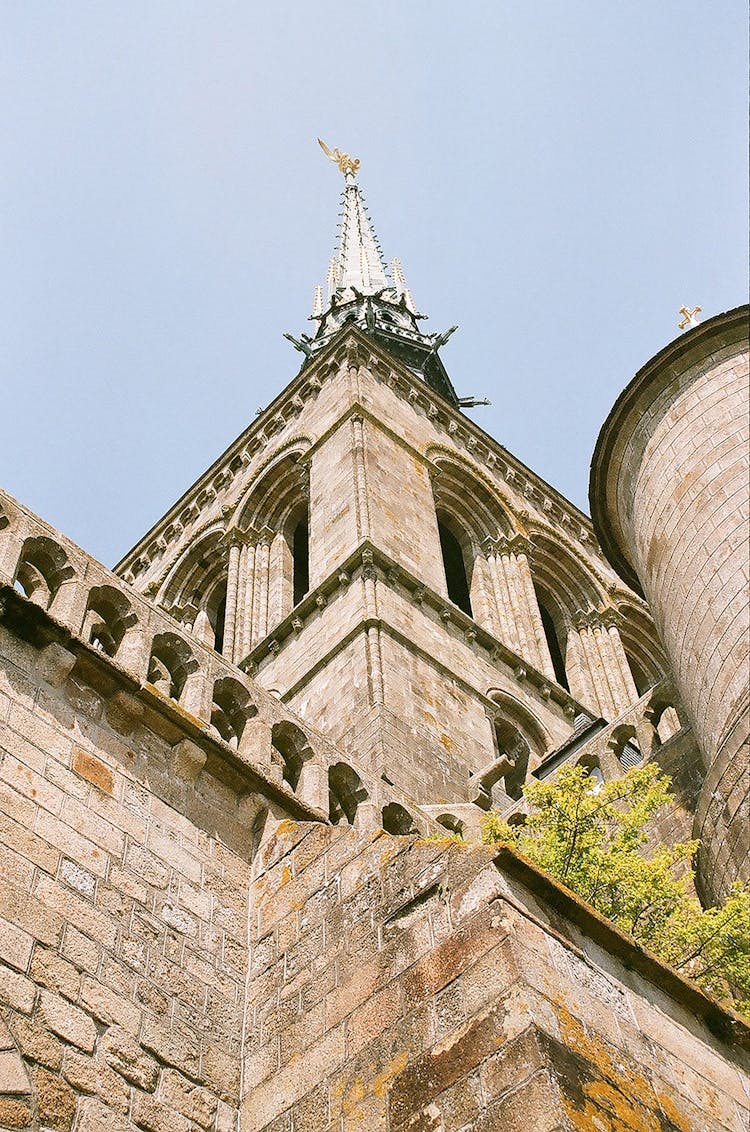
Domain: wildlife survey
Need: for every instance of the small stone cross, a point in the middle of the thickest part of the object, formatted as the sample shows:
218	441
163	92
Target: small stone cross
691	317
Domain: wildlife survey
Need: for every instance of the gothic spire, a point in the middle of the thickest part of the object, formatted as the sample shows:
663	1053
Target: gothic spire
358	265
359	261
361	292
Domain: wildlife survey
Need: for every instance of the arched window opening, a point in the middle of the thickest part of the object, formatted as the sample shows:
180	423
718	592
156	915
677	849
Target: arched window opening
345	792
454	565
301	559
292	751
453	824
42	569
230	710
640	679
517	820
108	616
510	743
624	745
218	623
591	765
170	664
553	643
397	820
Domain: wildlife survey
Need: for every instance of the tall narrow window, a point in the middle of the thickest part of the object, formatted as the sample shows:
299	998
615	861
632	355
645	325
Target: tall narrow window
555	652
640	679
455	569
221	614
301	555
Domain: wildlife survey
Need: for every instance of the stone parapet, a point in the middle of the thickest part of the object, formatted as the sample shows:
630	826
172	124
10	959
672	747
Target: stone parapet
89	622
435	986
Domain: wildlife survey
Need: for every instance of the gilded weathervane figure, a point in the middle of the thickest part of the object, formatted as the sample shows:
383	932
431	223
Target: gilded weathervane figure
345	163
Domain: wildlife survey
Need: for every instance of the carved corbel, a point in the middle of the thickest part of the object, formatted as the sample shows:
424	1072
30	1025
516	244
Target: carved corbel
368	564
188	760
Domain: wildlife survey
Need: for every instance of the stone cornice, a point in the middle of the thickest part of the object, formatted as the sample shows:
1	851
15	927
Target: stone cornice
720	1020
371	562
30	622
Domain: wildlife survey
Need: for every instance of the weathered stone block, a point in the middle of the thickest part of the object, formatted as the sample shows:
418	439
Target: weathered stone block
125	1055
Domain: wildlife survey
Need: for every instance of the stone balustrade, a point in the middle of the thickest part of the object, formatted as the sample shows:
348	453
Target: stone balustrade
288	766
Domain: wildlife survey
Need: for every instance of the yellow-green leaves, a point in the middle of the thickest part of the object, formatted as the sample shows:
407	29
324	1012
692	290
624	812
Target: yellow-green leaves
597	842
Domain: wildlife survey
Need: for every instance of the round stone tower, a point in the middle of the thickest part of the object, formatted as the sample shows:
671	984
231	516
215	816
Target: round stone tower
669	498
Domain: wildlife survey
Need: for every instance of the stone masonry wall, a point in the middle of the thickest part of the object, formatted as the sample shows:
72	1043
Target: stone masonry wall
670	486
409	986
148	983
123	913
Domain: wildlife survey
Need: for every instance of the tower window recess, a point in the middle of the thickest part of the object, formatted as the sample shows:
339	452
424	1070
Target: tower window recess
455	569
301	556
640	679
220	619
555	651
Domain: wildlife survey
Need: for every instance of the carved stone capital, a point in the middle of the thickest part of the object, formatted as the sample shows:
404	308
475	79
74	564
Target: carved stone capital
233	537
596	619
611	618
515	544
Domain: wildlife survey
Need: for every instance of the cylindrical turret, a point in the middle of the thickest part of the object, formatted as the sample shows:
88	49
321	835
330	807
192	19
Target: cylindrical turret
669	498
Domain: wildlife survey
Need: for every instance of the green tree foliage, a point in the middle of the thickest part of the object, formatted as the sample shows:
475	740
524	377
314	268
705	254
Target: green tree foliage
594	838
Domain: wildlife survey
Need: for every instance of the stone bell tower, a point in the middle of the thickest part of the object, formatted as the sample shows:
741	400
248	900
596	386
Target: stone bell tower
391	573
219	768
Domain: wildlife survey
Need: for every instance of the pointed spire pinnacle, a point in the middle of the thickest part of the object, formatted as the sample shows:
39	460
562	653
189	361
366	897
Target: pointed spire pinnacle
317	302
359	262
331	277
400	287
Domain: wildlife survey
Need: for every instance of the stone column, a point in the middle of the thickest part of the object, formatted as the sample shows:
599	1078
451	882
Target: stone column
596	664
69	603
262	561
245	597
196	694
519	620
374	651
233	580
482	596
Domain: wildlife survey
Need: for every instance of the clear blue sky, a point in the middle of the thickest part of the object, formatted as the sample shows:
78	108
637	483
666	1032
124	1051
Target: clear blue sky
558	178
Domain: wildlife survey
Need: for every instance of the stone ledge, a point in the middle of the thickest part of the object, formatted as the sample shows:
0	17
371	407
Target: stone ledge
720	1020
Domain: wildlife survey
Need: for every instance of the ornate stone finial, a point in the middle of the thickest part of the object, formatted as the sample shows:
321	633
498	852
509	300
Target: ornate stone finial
690	317
348	165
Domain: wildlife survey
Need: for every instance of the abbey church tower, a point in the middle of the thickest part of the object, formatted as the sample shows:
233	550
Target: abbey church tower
227	767
398	579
